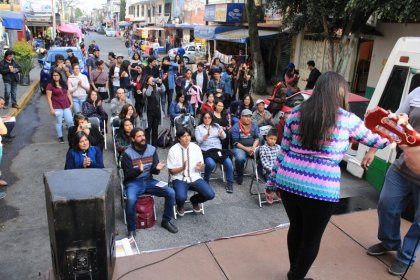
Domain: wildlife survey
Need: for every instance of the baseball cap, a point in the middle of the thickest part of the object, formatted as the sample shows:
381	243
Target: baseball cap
96	49
259	101
290	65
246	112
69	50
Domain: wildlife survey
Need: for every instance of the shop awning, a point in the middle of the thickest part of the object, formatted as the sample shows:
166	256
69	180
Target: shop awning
67	28
180	26
38	20
12	20
208	32
124	23
242	36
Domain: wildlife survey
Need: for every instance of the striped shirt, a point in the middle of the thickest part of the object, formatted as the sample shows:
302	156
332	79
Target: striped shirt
316	173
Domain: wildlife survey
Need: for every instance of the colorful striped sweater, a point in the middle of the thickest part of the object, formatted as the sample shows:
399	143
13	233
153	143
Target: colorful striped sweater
316	173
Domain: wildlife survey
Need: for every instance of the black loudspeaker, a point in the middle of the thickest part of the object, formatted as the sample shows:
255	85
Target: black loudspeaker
81	222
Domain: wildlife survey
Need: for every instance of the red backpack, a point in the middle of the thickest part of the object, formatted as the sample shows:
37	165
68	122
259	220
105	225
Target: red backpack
145	214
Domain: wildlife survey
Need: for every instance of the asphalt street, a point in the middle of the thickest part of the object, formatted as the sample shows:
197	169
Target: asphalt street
24	240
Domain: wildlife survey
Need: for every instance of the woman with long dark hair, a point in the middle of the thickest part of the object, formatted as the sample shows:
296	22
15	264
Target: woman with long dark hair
60	103
307	172
180	106
222	118
209	136
129	113
92	107
83	155
123	138
237	106
125	79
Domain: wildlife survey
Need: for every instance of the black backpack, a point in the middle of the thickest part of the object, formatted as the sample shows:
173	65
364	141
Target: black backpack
164	138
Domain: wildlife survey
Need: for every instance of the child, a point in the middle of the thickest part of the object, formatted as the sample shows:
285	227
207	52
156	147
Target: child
284	114
268	155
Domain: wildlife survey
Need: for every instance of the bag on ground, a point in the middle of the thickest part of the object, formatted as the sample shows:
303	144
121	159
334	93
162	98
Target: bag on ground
164	138
145	214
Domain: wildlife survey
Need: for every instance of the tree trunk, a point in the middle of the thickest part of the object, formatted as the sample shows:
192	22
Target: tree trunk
347	45
330	42
259	83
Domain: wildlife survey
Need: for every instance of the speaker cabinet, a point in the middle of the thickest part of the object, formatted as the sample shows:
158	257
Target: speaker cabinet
81	222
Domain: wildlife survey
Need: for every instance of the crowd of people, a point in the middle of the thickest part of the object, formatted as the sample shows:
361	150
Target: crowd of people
300	148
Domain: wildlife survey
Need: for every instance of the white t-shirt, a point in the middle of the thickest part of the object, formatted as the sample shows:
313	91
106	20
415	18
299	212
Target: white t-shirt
116	77
176	157
199	79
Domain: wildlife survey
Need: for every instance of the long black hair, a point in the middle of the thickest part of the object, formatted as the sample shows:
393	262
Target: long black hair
78	136
319	112
61	83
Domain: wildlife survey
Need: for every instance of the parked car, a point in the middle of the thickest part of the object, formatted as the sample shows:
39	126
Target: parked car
109	32
190	53
49	60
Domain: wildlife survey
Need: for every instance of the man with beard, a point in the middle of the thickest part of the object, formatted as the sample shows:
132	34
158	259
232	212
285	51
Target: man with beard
139	162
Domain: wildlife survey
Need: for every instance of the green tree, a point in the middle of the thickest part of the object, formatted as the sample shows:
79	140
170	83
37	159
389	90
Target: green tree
122	10
343	20
258	64
78	13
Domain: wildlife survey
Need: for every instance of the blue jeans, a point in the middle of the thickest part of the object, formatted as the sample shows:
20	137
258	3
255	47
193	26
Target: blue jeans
392	202
77	104
211	164
203	189
141	186
10	91
240	159
59	115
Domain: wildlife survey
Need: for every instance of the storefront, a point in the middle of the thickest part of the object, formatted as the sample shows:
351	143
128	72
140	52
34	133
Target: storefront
13	23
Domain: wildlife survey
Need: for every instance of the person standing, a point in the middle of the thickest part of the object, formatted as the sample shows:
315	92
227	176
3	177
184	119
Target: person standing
60	103
154	89
78	86
401	182
3	131
307	169
70	56
9	69
92	60
114	77
313	75
201	78
99	80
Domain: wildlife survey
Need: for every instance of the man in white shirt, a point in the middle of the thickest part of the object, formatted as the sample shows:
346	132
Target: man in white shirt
78	85
185	163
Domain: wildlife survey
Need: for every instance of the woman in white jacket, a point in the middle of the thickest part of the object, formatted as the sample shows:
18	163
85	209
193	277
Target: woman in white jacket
78	86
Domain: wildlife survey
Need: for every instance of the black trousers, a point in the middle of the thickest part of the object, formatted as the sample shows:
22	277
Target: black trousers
152	130
308	220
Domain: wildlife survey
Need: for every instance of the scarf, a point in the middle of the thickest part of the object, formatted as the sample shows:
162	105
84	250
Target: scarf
244	130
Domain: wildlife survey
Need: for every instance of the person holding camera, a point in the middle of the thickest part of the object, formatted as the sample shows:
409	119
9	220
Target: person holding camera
244	81
83	154
154	90
93	134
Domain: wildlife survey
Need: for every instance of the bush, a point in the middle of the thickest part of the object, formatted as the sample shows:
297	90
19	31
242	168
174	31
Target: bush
24	55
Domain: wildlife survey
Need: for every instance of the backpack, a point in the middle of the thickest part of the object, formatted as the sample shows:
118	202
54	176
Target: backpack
164	138
127	44
145	214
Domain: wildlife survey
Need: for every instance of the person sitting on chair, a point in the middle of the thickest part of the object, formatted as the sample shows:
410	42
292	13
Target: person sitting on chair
185	163
139	162
123	138
245	139
83	155
81	123
209	135
92	108
268	156
180	106
119	101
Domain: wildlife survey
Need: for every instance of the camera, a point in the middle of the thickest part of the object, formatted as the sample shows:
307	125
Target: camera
86	126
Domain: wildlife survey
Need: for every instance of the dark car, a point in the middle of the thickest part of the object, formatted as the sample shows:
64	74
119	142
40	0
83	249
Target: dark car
49	60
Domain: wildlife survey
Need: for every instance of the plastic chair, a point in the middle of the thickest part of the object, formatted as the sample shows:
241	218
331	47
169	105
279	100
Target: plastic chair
259	180
187	201
95	121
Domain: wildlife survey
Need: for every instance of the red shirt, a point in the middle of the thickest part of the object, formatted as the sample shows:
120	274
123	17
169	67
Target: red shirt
59	97
206	108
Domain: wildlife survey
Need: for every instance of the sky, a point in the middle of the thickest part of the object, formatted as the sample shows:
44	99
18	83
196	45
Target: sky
87	6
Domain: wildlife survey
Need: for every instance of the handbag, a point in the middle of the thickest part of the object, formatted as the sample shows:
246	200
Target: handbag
218	155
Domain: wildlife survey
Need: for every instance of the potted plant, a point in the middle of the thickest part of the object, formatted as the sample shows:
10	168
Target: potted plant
24	56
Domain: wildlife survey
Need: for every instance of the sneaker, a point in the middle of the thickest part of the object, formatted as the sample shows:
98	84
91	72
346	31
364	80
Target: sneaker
269	196
180	211
196	208
398	268
239	180
377	250
61	140
169	226
2	195
229	189
131	233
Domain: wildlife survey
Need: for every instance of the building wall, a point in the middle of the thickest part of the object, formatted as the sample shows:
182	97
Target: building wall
382	48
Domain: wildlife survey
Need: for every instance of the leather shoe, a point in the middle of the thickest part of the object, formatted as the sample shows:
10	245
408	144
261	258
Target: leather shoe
169	226
15	106
131	233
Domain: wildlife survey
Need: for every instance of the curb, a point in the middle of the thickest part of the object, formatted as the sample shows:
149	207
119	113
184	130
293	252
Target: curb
24	100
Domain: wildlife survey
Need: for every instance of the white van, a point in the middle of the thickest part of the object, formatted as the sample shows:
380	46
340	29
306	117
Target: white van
399	77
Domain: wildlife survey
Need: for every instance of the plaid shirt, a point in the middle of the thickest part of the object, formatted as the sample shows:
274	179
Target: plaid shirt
268	156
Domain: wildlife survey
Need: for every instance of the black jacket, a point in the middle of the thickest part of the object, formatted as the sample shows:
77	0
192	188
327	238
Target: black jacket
9	77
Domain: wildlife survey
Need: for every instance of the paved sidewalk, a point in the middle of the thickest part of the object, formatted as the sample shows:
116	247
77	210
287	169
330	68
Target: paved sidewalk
23	94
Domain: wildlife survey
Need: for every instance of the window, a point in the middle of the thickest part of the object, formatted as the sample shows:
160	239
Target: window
138	10
415	82
391	97
142	10
191	49
160	9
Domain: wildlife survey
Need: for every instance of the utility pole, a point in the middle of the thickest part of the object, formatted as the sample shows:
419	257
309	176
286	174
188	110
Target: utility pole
54	27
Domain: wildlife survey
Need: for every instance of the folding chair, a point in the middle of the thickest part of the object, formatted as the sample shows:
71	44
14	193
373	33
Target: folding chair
95	121
187	201
114	129
259	180
216	177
